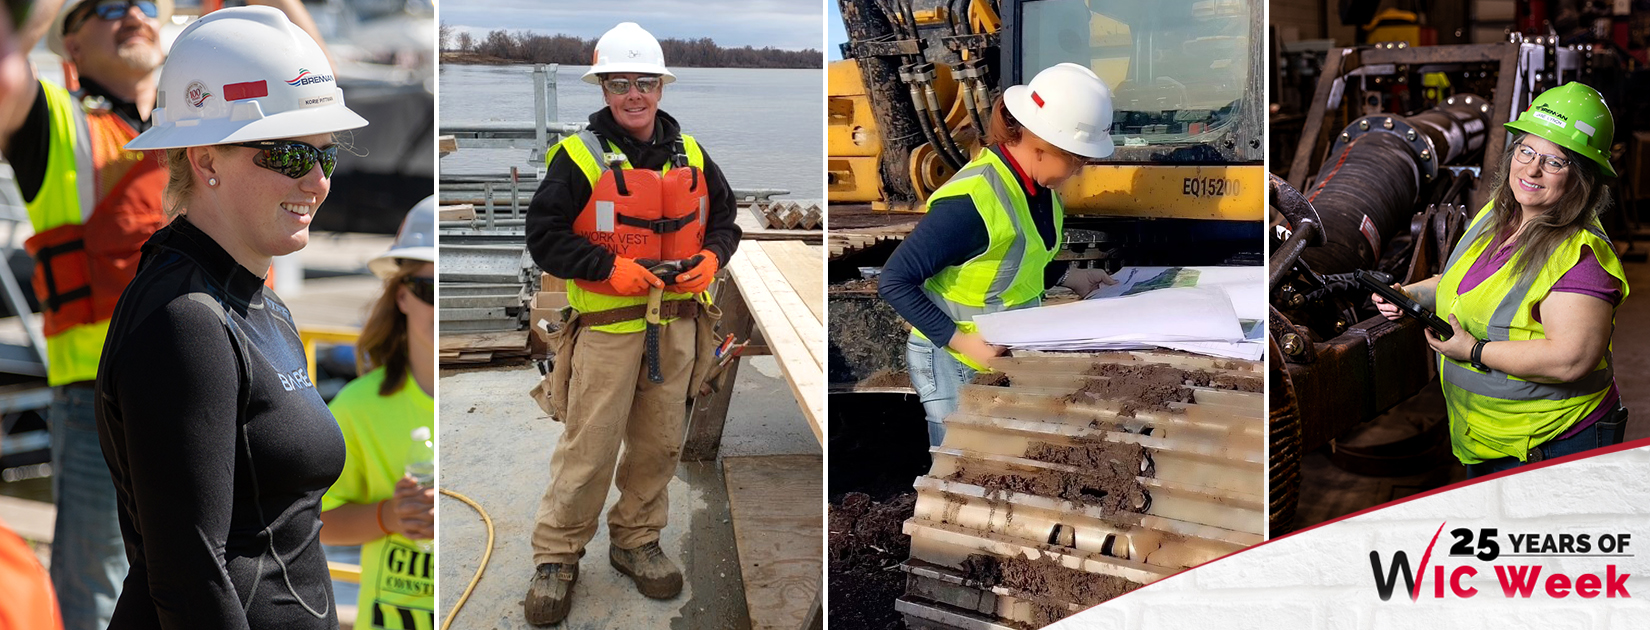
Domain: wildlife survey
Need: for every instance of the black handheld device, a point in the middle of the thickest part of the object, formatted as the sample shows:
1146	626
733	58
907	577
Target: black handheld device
1384	289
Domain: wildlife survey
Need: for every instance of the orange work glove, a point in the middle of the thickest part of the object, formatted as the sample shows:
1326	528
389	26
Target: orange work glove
630	278
698	278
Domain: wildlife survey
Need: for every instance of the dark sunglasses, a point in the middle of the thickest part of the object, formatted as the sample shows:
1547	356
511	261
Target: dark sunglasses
292	158
111	10
621	87
422	288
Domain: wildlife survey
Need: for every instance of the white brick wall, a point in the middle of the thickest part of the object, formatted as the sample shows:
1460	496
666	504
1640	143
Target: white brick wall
1322	578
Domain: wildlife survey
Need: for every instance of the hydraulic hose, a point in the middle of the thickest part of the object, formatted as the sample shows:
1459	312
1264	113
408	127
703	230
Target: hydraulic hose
1364	195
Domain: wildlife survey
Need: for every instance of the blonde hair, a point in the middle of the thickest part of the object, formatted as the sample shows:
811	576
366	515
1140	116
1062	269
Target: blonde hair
1586	199
383	338
180	181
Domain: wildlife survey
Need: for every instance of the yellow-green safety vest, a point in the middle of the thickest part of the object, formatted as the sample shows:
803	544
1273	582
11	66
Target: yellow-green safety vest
584	147
67	197
1494	414
1009	273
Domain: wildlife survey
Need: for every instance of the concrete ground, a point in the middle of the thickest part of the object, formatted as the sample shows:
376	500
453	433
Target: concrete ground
495	447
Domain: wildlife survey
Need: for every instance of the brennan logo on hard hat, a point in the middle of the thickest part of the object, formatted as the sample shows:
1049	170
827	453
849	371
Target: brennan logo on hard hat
305	78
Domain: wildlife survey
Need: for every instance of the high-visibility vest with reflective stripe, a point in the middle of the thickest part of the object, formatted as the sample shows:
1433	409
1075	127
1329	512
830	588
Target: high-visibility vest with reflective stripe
1009	273
593	158
1494	414
66	197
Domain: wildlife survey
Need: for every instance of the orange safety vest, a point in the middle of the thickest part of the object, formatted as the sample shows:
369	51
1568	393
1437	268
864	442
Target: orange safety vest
644	214
88	239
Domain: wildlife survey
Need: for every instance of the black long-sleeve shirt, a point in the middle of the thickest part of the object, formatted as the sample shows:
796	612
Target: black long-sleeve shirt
219	446
565	191
950	234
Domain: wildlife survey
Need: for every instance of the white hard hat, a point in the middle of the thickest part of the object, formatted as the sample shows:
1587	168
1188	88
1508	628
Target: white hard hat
1068	107
54	37
628	48
244	74
414	241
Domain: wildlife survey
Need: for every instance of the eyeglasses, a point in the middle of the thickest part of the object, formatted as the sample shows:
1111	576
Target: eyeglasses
292	158
421	287
621	87
111	10
1549	163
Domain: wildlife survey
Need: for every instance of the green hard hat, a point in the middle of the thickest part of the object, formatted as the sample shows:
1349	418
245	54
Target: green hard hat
1572	116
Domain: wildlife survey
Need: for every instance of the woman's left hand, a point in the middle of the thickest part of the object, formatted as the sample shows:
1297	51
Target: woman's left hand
1459	346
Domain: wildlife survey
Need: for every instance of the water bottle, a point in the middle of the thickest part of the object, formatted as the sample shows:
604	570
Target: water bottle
421	466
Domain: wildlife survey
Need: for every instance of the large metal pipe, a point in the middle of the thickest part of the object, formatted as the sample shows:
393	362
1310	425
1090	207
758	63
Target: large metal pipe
1456	128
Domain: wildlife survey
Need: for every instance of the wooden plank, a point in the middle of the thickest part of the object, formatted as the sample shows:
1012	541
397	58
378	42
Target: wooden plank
467	342
709	414
802	267
794	310
775	504
803	371
460	212
447	144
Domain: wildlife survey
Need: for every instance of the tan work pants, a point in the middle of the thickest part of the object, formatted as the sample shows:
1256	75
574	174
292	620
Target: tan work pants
611	402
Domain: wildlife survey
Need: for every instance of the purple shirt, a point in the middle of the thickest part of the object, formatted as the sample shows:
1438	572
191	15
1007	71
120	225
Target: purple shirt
1587	277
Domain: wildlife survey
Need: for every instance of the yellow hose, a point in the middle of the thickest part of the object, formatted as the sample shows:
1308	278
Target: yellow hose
484	557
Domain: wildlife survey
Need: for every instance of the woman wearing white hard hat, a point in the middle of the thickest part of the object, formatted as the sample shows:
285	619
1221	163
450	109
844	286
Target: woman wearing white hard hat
375	502
218	443
991	233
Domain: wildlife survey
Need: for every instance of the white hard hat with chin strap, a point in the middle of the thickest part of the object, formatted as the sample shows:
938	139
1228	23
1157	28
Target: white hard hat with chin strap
628	48
1067	106
54	36
244	74
414	241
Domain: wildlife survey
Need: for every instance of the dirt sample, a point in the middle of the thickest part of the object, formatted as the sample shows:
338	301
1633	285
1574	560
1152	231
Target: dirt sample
866	549
1222	380
991	379
1053	586
1111	493
983	570
1135	388
1122	460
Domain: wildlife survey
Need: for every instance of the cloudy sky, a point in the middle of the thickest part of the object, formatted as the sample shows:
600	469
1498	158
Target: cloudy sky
788	24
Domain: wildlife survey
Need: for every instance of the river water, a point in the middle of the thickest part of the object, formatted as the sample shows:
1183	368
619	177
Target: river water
765	128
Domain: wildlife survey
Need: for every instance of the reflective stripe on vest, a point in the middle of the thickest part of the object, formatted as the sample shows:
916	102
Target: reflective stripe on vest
588	153
1494	414
67	194
1009	273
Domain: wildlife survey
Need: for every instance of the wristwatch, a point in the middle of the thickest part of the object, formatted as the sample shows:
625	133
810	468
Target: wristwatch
1478	355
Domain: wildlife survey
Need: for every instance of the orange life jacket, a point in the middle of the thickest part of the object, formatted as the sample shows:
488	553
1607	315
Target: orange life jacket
82	268
644	214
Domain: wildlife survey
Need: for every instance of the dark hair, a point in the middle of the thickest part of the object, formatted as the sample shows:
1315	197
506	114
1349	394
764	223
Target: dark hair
1586	199
383	338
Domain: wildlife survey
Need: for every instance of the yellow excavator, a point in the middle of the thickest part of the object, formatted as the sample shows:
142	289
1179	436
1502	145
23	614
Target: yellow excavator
918	78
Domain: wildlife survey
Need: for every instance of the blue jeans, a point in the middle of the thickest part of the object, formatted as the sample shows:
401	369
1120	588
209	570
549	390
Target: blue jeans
937	377
1607	431
88	556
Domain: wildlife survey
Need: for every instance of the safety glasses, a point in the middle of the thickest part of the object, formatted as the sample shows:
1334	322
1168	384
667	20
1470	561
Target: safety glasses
1551	163
621	87
422	288
292	158
111	10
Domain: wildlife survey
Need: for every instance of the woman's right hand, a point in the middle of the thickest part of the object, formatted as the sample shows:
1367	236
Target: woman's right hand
973	346
1388	309
411	511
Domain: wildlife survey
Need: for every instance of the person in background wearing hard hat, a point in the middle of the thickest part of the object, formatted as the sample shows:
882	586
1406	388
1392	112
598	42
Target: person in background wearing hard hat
375	504
631	187
991	233
92	204
1531	290
218	443
29	600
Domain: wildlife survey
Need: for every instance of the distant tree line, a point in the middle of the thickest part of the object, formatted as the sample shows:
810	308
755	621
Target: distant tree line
526	47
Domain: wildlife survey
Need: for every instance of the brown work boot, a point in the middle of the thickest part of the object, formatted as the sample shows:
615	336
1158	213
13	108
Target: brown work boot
551	593
655	575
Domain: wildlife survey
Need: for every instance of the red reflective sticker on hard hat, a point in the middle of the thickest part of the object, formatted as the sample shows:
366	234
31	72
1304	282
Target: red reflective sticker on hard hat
196	94
1036	99
250	89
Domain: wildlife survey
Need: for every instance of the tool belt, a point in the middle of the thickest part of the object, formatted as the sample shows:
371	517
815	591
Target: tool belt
671	309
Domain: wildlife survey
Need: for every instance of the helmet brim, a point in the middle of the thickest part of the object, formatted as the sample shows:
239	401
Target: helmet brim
1017	99
384	264
224	131
1539	131
54	35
